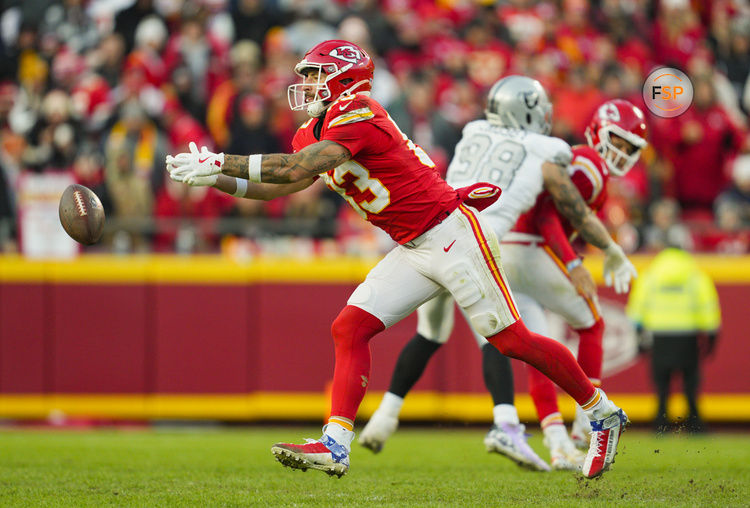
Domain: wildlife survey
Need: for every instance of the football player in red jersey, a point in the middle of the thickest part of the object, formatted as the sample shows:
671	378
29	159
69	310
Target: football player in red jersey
354	146
541	239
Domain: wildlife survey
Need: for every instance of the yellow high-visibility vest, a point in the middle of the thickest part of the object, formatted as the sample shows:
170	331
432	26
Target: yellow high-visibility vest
674	295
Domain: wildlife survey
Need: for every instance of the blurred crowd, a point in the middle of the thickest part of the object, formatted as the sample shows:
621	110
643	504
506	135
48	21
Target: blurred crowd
106	88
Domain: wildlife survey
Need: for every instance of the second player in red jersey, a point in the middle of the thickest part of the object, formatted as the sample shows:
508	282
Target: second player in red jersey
541	240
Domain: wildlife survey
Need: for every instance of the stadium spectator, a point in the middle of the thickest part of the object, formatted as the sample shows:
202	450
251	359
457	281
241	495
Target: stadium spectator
127	21
699	144
71	26
249	131
677	32
54	139
253	18
415	113
731	37
738	194
11	150
107	60
385	89
202	55
245	62
575	102
664	228
676	305
133	155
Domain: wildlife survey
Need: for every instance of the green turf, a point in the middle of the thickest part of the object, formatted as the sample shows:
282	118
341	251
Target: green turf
418	467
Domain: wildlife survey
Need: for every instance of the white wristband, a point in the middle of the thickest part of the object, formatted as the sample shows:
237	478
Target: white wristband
573	264
241	187
254	167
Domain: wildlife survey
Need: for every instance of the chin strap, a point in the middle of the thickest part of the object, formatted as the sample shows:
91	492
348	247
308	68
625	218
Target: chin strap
316	109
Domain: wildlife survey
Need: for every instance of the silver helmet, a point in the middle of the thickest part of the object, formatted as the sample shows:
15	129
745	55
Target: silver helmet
520	103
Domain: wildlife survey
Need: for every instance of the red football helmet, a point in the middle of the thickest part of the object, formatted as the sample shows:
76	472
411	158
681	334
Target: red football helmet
625	120
347	68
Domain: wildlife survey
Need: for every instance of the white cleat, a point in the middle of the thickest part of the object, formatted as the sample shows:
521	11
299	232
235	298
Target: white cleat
377	431
510	440
565	456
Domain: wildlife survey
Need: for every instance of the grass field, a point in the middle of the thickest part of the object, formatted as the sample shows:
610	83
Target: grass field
418	467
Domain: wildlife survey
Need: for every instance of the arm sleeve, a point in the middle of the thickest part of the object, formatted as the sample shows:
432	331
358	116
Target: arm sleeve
549	225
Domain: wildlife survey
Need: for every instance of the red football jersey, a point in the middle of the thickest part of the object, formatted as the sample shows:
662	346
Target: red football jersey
589	174
389	180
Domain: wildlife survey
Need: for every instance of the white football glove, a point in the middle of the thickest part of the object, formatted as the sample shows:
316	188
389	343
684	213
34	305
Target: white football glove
618	270
178	166
196	168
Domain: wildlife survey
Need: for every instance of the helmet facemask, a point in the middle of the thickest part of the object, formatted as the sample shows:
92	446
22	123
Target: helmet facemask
321	93
297	94
618	161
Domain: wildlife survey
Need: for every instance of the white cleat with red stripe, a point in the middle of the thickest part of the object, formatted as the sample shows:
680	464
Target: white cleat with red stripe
605	434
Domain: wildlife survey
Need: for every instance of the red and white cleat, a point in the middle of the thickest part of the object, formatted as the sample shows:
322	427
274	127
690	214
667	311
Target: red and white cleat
605	434
324	454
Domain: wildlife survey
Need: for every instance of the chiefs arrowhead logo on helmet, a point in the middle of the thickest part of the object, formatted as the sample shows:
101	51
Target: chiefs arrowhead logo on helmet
347	53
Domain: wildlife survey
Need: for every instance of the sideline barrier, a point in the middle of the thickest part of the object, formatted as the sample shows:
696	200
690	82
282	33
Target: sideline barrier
206	337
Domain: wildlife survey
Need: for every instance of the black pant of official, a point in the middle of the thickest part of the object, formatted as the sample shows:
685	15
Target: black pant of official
673	353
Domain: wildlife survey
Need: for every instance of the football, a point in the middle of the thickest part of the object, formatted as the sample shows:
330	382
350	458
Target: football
81	214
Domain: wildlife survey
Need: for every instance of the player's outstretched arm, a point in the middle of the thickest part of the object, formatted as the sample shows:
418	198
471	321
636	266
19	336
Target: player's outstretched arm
287	168
618	270
203	168
262	191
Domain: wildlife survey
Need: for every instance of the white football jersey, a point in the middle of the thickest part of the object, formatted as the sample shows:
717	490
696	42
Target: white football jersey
509	158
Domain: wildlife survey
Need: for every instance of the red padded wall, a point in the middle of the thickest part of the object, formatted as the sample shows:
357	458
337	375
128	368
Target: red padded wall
201	338
24	330
99	338
177	338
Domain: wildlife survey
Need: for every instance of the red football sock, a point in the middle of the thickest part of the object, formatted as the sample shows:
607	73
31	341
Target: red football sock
352	331
543	393
551	358
590	352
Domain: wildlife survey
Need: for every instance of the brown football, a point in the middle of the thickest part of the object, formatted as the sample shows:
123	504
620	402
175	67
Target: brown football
81	214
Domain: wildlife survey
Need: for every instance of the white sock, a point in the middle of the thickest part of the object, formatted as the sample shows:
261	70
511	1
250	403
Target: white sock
340	435
555	434
581	419
601	409
505	413
391	404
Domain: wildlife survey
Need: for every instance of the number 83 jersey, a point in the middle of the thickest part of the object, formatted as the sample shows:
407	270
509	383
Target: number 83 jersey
389	180
511	159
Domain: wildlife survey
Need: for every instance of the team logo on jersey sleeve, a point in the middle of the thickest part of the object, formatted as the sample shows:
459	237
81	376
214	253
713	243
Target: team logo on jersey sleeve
347	53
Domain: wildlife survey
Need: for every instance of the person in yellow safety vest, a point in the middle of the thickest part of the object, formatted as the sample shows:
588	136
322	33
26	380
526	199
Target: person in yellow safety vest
675	304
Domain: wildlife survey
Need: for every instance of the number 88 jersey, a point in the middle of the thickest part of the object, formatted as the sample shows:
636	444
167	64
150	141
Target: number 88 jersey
511	159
